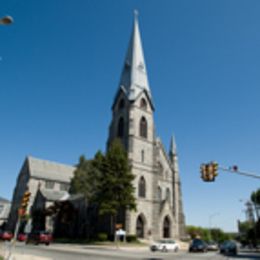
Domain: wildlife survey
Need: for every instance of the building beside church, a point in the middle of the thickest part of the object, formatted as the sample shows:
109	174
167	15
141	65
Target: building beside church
5	206
157	182
34	174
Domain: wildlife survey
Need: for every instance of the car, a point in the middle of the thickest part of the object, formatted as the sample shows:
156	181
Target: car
6	235
228	247
39	237
165	245
22	237
212	246
198	245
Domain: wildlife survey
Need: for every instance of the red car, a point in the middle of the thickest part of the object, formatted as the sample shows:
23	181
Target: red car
22	237
39	237
6	235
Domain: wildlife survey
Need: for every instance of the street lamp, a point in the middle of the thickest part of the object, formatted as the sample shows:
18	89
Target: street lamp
6	20
210	219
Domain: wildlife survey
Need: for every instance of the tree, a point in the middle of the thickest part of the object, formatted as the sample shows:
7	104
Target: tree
255	198
87	176
106	181
116	183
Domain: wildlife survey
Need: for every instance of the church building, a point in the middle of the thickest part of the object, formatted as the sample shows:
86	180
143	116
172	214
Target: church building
157	183
158	188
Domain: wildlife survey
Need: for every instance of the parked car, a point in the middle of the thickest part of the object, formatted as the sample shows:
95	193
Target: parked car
165	245
198	245
22	237
212	246
39	237
228	247
6	235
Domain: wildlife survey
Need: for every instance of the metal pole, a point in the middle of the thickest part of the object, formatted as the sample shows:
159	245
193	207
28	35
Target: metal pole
12	247
252	175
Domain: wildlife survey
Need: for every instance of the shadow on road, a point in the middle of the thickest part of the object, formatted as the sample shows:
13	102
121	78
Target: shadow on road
246	256
152	258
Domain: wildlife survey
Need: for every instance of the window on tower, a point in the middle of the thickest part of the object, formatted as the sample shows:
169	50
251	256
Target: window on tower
121	104
142	155
141	187
168	195
143	127
120	128
143	104
159	193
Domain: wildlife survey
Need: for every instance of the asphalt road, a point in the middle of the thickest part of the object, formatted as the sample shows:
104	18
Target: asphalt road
73	252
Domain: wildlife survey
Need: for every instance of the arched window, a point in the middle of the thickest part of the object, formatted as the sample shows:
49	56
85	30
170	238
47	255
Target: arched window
168	195
166	227
142	155
159	193
143	104
121	104
140	226
120	128
160	168
143	127
141	187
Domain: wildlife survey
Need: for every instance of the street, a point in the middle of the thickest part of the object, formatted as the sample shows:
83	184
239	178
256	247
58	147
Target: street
79	252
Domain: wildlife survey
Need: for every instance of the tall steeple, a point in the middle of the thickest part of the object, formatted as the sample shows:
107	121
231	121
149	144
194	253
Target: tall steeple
134	78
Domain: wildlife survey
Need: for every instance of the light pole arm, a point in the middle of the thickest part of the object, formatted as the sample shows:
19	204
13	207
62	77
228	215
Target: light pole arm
247	174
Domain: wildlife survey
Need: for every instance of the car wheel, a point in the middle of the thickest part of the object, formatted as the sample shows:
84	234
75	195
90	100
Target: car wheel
47	243
164	249
176	249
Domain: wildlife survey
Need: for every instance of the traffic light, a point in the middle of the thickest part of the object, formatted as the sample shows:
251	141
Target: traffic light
25	200
209	171
203	171
215	169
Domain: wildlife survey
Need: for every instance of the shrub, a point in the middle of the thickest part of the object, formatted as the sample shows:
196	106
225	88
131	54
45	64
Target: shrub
102	237
131	238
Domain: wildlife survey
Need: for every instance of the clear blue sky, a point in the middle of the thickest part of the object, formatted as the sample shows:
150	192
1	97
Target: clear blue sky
59	70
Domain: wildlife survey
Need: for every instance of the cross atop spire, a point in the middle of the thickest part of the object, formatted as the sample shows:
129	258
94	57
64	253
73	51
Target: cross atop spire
134	78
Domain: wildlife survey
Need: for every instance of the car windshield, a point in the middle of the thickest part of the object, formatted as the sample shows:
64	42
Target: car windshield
197	242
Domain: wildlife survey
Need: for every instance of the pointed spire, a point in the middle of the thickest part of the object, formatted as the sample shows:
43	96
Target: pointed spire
134	78
173	148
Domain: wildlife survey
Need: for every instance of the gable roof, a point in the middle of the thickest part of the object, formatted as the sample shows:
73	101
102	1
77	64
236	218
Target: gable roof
43	169
3	200
52	195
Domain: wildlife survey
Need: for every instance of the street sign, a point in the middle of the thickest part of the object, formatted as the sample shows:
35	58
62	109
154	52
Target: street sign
119	225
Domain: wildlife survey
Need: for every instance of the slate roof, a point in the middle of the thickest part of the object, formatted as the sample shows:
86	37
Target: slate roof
134	79
3	200
6	210
44	169
52	195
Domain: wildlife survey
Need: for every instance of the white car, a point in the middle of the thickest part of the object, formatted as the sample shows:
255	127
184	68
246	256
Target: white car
165	245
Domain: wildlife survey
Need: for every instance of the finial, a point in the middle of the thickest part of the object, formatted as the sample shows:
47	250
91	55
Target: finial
173	145
136	13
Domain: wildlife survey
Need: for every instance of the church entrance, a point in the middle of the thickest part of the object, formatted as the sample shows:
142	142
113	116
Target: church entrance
140	226
166	227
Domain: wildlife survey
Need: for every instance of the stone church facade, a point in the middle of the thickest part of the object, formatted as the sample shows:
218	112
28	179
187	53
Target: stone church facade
157	183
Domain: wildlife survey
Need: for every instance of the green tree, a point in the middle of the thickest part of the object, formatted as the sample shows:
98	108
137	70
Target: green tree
87	177
255	198
116	183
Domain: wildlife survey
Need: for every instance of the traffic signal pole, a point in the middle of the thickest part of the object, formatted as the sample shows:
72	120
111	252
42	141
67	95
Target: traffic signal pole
21	213
210	170
234	169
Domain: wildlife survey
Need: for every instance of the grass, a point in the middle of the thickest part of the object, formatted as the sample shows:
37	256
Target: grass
98	243
1	258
